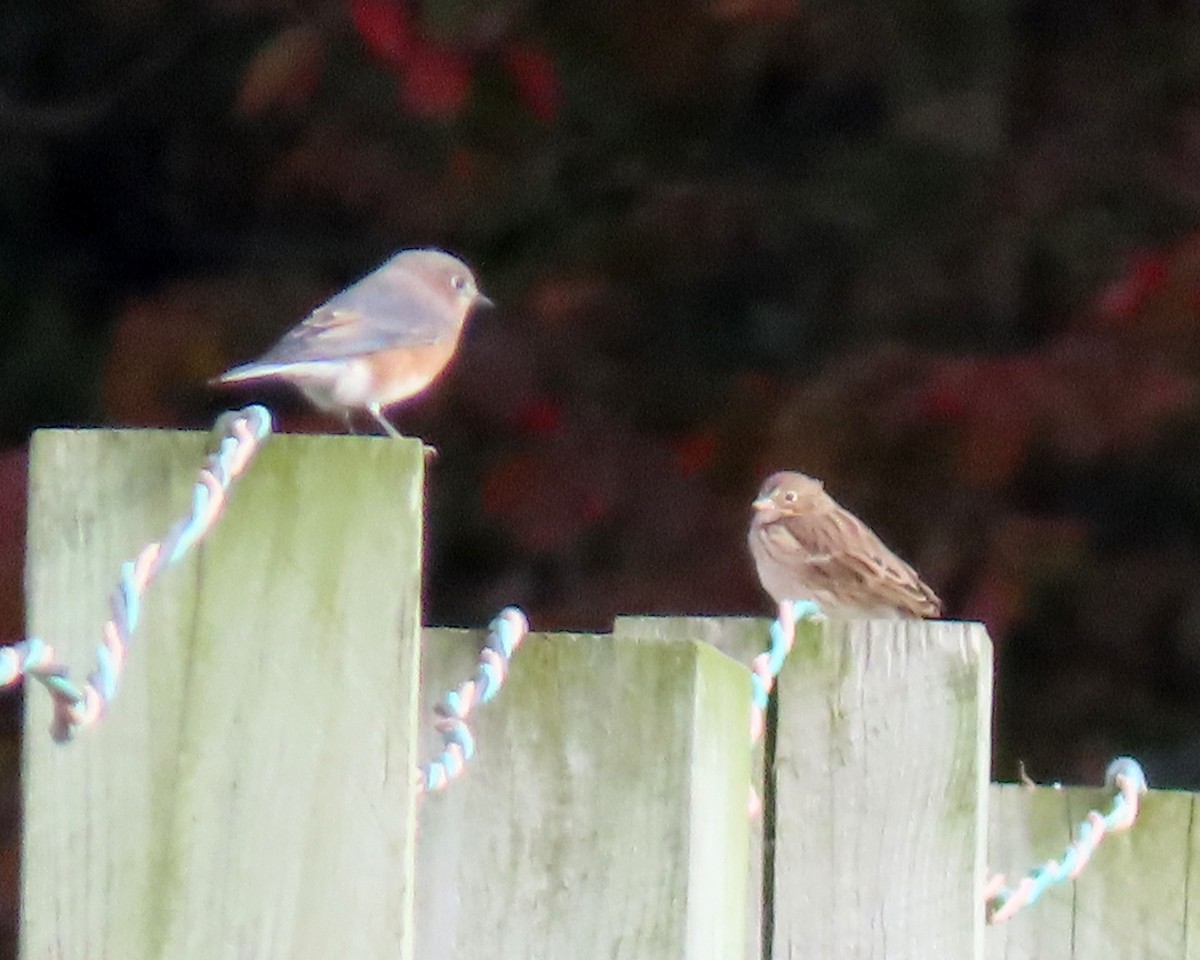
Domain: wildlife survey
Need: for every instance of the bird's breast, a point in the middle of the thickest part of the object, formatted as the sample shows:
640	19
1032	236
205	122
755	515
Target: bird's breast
402	372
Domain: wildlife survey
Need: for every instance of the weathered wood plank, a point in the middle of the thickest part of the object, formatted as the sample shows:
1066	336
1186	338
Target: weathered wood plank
604	815
1026	827
250	792
1130	903
881	767
742	638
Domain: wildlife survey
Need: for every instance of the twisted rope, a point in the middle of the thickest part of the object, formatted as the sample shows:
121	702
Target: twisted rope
505	634
765	668
1125	776
243	432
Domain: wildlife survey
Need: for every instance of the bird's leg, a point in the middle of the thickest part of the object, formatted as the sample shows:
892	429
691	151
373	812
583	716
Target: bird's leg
429	452
349	418
373	410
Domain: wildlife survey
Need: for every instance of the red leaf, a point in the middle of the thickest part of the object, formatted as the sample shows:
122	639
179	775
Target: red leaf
386	28
941	403
436	84
537	81
540	417
695	453
1122	299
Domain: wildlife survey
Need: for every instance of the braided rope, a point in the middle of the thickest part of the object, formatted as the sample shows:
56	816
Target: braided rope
505	634
1126	777
765	668
80	706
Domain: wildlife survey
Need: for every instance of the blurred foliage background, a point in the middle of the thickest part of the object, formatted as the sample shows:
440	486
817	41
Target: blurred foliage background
941	253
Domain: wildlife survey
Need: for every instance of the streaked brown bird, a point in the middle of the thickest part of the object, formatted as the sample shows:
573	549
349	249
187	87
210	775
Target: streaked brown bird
807	546
382	340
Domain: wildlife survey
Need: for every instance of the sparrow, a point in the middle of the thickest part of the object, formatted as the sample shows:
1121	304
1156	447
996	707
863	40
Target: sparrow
807	546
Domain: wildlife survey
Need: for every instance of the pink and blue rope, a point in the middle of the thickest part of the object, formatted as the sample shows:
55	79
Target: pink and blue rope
505	634
765	668
79	706
1126	777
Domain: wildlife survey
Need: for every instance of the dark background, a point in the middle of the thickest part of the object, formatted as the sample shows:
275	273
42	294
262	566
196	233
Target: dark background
943	254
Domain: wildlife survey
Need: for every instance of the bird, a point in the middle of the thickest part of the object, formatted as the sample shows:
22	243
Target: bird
807	546
382	340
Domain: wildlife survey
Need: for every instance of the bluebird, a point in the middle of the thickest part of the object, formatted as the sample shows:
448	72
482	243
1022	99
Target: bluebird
382	340
807	546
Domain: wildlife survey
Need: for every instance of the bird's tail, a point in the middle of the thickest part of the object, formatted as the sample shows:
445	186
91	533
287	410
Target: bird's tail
246	372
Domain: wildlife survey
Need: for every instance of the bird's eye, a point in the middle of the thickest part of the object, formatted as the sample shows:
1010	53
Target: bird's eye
458	282
790	496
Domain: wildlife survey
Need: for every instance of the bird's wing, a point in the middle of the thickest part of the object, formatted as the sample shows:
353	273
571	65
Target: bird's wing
371	315
840	554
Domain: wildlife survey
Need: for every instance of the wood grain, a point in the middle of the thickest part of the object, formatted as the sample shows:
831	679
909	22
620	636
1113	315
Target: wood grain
249	794
604	814
880	769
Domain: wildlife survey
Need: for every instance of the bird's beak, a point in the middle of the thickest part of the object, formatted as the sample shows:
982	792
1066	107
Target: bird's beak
482	301
763	503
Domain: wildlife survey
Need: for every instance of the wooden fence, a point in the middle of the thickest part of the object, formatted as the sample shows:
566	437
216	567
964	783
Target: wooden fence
250	793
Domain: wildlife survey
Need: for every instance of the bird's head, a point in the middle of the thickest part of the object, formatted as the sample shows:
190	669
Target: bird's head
441	277
786	494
